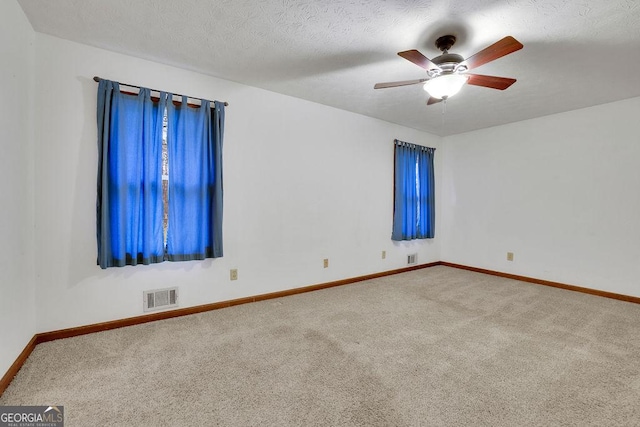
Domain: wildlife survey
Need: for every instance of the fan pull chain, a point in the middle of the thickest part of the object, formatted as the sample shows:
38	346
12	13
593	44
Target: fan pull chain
444	110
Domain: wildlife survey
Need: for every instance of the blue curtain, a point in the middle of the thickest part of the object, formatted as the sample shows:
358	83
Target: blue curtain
194	142
129	201
414	194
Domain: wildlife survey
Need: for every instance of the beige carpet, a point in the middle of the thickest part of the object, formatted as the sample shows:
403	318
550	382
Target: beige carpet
433	347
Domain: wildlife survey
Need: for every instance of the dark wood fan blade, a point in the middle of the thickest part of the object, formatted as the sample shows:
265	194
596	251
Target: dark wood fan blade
419	59
396	84
497	50
433	100
493	82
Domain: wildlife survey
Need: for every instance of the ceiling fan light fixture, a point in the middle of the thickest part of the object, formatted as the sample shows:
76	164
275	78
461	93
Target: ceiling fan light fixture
445	85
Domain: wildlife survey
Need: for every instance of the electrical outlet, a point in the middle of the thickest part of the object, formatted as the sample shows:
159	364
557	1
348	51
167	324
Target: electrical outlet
384	254
509	256
326	263
233	274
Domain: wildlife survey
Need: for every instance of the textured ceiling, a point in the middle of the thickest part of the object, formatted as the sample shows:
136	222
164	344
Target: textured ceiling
577	53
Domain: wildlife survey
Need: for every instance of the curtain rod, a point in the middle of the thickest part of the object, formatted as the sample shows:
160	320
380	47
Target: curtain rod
97	79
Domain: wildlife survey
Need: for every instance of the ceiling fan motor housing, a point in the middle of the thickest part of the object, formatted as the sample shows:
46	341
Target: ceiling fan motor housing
447	63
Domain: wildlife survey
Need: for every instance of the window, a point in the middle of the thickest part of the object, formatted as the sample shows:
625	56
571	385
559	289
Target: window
159	178
414	191
165	181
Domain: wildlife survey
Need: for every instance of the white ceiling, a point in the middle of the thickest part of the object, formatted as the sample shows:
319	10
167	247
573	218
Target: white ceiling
577	53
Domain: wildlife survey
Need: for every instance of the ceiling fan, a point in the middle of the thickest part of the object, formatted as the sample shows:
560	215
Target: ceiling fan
447	73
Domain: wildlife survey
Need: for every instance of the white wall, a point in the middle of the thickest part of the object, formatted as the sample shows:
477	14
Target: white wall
302	182
561	192
17	307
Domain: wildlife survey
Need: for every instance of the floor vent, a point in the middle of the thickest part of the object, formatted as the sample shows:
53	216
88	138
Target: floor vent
160	298
412	259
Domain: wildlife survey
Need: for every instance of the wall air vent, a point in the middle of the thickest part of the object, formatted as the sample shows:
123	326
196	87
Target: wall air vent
412	259
159	299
